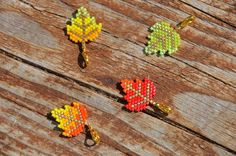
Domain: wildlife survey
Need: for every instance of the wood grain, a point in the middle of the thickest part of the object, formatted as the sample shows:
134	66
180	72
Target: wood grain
198	81
223	15
221	5
28	94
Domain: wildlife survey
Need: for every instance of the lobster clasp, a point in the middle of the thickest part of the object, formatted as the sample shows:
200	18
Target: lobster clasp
186	22
94	133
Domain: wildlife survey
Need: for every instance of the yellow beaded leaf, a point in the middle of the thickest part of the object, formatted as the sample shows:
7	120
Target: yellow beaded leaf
83	28
71	119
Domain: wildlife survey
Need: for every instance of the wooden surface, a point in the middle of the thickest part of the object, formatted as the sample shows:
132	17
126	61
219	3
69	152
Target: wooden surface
39	71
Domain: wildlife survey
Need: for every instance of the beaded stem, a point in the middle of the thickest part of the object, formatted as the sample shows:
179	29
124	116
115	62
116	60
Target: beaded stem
162	107
85	54
185	22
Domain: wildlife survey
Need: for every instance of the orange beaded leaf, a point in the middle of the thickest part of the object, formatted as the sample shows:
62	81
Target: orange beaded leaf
138	93
72	118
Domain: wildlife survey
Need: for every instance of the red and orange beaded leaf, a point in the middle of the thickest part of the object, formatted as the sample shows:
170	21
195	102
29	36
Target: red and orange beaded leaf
71	119
138	93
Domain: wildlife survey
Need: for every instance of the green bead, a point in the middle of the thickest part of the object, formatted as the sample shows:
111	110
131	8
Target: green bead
162	39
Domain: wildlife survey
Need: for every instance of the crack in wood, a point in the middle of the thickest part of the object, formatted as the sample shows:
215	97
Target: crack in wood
209	14
106	139
138	44
19	59
114	97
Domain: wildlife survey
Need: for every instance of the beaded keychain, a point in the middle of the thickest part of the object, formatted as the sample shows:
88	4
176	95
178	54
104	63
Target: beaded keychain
72	119
83	28
139	95
164	39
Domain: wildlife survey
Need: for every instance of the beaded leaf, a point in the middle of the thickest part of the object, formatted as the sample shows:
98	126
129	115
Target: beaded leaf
71	119
138	93
83	27
163	39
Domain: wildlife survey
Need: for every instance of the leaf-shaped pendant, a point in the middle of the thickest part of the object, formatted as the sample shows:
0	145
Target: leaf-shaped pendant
83	28
164	39
72	119
139	95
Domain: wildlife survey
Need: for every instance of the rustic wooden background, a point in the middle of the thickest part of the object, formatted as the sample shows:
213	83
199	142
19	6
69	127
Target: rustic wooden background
39	71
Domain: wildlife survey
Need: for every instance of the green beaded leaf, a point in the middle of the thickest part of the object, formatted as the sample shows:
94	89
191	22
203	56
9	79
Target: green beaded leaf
163	39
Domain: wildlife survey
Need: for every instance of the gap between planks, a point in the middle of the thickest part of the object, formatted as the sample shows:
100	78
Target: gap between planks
95	87
222	20
138	44
115	98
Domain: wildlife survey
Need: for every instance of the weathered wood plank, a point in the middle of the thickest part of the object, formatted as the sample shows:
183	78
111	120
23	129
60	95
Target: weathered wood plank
103	69
204	65
31	133
28	94
221	5
225	16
